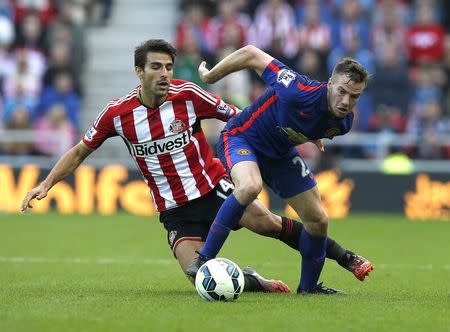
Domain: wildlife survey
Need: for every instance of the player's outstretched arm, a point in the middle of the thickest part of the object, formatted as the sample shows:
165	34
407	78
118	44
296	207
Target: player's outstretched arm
64	167
246	57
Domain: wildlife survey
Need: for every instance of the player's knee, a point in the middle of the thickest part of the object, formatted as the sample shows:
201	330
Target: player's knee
317	223
247	192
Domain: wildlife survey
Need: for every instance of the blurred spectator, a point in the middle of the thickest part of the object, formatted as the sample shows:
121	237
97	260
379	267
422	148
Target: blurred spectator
2	113
446	68
20	120
425	89
59	61
274	30
391	92
400	8
425	38
387	118
6	10
193	22
20	100
61	92
26	72
55	133
366	6
446	18
310	64
314	33
389	31
99	11
434	5
6	59
69	29
44	9
427	125
229	28
351	24
30	41
31	33
324	7
7	33
186	66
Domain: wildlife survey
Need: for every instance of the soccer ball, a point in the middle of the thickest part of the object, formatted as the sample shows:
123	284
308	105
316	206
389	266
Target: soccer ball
219	279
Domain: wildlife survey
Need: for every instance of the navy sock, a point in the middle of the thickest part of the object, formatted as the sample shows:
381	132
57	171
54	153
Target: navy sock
313	253
228	217
290	234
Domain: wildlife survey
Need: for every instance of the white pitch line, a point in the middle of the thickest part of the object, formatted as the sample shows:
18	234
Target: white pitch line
78	260
124	261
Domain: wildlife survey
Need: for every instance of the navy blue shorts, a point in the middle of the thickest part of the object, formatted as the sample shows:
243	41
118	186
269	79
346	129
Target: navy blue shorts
286	176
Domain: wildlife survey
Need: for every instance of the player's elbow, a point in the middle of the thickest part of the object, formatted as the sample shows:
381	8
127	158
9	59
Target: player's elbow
251	52
256	58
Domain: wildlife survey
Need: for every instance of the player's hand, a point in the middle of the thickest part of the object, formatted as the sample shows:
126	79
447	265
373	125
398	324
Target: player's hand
203	73
319	144
39	193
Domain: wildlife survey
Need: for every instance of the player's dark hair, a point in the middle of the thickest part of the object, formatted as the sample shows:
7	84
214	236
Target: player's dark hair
152	45
352	69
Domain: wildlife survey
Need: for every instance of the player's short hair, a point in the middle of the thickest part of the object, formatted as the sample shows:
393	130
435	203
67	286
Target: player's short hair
352	69
152	45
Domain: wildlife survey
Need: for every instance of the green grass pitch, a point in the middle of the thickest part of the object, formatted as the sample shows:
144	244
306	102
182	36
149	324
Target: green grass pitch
98	273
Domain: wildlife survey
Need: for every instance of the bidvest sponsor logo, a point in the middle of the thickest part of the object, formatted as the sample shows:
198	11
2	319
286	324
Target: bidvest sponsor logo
160	146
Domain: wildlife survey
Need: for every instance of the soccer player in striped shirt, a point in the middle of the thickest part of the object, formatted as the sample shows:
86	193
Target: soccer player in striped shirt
258	145
160	123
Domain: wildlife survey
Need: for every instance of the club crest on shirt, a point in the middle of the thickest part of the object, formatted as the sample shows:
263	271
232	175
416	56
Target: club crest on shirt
172	235
285	77
330	133
243	152
177	126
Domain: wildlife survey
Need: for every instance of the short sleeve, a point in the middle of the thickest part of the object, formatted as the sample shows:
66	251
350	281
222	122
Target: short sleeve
290	86
208	105
101	129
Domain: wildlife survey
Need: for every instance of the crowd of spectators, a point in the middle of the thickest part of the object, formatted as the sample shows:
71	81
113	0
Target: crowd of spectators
404	44
42	57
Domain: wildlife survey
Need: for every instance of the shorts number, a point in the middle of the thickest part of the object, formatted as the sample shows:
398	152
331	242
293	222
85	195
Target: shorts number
305	170
226	185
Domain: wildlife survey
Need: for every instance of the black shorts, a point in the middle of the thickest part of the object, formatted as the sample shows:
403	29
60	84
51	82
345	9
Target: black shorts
192	220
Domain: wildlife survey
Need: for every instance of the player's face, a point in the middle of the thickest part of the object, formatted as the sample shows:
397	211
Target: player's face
157	74
343	94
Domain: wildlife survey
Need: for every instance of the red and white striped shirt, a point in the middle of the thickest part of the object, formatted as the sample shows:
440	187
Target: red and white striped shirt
167	143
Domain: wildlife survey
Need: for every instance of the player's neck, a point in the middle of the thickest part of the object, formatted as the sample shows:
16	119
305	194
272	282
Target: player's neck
149	100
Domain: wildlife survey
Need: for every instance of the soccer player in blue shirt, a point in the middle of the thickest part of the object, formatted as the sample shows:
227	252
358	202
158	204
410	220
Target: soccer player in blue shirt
259	143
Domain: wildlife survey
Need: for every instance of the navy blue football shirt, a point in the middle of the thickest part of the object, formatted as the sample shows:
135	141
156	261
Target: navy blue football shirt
292	111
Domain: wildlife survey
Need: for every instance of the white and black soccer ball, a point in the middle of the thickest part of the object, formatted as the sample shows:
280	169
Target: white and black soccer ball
219	279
